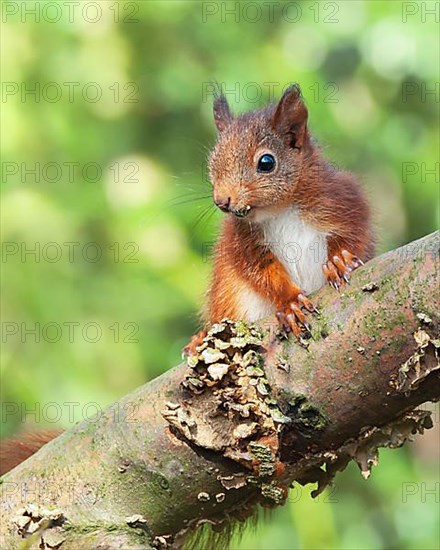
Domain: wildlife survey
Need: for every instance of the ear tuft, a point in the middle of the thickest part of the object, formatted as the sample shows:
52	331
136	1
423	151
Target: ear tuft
222	112
290	118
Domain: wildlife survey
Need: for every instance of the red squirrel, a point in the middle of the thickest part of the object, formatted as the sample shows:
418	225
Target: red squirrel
293	222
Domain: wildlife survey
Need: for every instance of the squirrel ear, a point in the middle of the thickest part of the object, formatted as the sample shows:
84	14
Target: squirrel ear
222	113
290	118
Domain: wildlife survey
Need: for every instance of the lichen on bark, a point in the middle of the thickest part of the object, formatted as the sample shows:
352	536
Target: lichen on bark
225	404
416	369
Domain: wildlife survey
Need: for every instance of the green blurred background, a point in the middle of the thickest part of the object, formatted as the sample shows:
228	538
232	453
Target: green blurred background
117	132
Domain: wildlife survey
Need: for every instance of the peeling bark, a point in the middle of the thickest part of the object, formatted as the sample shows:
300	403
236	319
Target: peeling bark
249	415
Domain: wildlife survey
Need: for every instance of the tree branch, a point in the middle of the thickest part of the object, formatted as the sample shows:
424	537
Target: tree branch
250	415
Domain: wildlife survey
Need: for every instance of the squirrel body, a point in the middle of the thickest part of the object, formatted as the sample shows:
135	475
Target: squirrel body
294	221
299	247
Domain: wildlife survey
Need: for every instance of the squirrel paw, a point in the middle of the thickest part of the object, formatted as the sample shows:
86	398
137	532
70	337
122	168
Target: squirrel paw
339	268
196	340
293	319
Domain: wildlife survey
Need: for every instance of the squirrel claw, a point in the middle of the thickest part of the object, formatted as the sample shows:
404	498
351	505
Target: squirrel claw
288	323
351	261
293	319
338	270
331	274
307	304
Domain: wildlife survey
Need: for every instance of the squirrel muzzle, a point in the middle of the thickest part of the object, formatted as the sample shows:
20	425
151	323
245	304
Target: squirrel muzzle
227	205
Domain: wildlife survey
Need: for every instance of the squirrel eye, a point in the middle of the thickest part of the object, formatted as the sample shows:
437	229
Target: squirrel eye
266	163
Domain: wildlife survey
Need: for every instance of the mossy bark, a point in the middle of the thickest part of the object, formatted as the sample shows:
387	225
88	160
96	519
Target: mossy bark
148	471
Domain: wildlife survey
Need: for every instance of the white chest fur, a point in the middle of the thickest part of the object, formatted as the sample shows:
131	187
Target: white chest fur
301	248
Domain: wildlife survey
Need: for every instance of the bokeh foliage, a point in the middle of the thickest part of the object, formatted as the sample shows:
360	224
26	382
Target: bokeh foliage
366	69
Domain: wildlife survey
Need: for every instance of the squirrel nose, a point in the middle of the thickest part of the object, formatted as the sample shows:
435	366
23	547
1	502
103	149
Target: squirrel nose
223	204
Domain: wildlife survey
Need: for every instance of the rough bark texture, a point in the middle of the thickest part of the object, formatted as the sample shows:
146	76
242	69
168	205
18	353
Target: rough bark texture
250	415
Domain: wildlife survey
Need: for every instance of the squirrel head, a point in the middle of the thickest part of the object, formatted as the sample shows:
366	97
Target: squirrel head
256	164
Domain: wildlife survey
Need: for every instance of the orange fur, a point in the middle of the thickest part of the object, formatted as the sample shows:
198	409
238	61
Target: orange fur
329	200
15	451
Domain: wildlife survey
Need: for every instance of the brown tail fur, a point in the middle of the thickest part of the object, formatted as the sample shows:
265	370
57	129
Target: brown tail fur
14	451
